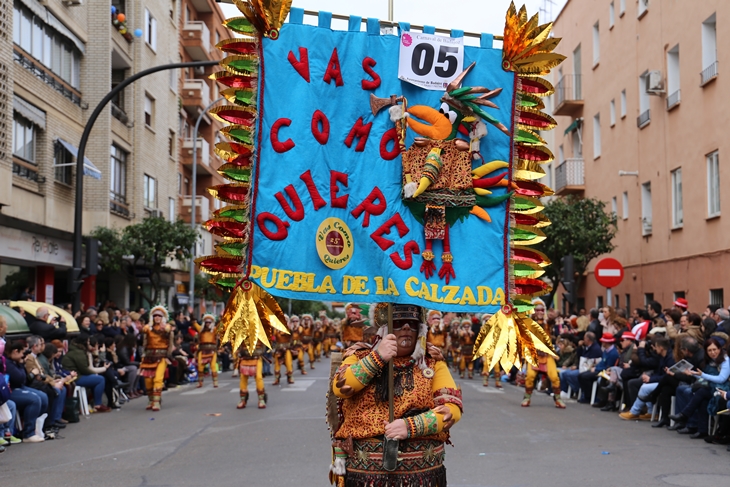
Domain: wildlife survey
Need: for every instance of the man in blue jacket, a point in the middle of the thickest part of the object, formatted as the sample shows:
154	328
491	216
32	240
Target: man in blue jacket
588	349
651	381
30	403
609	358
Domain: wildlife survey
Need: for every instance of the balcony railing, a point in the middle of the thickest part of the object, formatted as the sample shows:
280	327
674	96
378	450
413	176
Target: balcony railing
569	176
568	94
643	119
195	95
646	226
202	208
673	100
196	40
203	150
708	74
118	204
119	114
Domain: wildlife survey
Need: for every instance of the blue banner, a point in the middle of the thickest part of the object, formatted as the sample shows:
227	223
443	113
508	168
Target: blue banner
329	219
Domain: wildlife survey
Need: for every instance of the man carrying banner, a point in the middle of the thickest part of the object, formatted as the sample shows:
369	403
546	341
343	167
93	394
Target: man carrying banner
426	403
158	343
251	365
207	349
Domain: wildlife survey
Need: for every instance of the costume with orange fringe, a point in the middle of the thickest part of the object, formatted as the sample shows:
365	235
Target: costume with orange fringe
158	343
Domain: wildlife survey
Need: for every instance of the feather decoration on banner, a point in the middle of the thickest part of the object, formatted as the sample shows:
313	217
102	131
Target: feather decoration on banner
266	15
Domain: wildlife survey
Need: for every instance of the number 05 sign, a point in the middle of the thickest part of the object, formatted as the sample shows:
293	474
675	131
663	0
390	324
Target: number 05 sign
430	61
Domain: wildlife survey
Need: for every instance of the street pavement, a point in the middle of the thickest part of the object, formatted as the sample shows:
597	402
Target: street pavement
200	438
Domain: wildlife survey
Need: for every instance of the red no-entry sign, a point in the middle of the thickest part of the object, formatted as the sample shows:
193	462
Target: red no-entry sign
609	272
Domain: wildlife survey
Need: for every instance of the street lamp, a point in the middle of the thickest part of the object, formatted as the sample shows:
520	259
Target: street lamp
194	196
75	272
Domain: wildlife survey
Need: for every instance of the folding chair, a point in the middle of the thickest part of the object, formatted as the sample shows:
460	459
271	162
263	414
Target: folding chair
80	392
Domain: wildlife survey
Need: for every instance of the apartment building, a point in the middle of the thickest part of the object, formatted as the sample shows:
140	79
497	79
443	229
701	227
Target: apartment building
58	59
639	103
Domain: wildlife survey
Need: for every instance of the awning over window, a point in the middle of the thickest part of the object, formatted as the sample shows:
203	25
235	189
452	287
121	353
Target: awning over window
39	10
29	111
573	126
89	168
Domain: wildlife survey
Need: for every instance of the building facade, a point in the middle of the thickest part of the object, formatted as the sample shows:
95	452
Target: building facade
639	103
58	59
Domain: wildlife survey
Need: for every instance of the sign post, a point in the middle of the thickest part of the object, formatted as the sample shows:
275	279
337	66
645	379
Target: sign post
609	273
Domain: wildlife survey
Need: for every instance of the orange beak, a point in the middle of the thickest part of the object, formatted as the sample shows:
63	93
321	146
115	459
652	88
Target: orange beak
438	127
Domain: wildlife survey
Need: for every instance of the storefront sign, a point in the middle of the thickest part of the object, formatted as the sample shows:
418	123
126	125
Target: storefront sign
31	247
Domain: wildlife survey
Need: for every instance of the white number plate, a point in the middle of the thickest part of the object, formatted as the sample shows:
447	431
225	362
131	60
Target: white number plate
430	61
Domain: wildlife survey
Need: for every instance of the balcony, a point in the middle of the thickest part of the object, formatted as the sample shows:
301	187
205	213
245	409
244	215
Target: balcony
708	74
196	40
195	96
202	209
569	95
202	6
569	177
203	157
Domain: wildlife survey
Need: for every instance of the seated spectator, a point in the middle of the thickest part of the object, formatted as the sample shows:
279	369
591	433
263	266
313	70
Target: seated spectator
125	352
689	325
101	363
589	353
77	360
715	375
37	379
179	367
609	393
41	327
609	358
642	326
30	403
650	382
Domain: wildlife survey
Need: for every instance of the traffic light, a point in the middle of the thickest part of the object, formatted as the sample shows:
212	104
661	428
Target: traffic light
568	281
75	281
93	256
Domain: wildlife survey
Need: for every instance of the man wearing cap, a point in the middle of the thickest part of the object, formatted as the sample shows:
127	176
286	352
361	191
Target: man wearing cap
681	305
207	349
608	394
609	358
158	343
427	403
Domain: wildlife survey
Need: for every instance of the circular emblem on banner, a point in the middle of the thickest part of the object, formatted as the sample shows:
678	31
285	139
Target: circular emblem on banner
334	243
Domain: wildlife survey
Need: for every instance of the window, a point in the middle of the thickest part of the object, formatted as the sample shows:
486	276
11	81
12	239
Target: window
616	301
611	15
644	114
171	209
150	192
599	302
614	206
561	153
648	298
623	103
713	184
625	205
677	208
179	183
679	294
709	49
613	113
621	8
643	8
187	14
596	45
628	303
673	77
173	8
716	297
64	164
149	110
118	102
217	37
597	136
173	78
548	181
577	142
150	34
118	180
646	210
24	139
171	144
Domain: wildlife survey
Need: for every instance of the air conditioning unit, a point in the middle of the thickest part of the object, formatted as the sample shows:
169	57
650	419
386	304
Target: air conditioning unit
156	214
73	3
200	70
654	83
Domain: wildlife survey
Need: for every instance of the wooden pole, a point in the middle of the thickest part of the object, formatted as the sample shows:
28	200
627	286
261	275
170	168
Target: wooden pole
391	370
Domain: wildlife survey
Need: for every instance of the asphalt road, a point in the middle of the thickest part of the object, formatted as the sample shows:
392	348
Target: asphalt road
199	438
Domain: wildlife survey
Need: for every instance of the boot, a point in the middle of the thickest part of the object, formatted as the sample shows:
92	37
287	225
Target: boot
149	401
215	380
526	400
486	381
498	382
461	374
156	399
262	400
200	382
558	400
470	374
289	379
311	365
302	369
243	401
277	378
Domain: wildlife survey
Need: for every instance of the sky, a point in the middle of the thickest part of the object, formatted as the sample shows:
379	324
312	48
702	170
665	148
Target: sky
470	16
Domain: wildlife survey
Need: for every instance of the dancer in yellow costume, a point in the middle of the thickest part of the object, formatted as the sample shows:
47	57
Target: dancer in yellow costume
207	349
485	365
158	343
427	404
318	338
438	334
546	364
297	350
283	353
251	365
331	334
306	331
466	352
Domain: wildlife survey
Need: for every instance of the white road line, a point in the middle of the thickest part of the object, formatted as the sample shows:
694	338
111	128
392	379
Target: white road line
300	385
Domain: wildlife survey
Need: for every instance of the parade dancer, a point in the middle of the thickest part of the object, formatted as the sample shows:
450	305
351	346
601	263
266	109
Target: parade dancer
207	349
438	334
426	404
466	351
307	337
251	365
283	353
297	350
545	363
318	338
485	364
158	343
351	328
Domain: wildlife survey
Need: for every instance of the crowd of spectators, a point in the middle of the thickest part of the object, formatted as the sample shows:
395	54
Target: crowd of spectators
668	366
38	374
